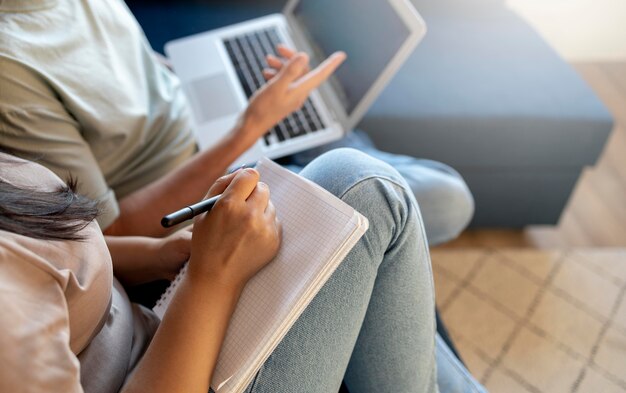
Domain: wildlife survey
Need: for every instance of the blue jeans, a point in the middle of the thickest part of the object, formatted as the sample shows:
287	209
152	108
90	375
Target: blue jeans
372	324
445	201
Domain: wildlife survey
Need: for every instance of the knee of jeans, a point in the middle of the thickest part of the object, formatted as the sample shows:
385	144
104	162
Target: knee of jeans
447	208
340	169
373	188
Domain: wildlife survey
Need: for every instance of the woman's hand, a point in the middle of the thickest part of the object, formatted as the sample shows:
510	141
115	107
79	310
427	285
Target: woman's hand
239	236
276	63
289	84
171	252
141	259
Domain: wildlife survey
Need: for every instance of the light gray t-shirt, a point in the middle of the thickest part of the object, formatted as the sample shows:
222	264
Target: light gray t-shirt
81	89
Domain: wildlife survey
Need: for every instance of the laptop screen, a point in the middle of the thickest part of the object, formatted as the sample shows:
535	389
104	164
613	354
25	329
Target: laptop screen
369	31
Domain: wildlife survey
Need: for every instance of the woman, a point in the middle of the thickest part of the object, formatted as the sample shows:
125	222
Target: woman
68	326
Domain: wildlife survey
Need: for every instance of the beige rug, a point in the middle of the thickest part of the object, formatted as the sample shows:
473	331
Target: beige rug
537	321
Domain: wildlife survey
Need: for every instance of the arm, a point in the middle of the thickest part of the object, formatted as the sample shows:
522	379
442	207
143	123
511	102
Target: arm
141	212
139	259
230	244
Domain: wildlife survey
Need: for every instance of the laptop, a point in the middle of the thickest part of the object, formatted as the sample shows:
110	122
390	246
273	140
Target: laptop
220	69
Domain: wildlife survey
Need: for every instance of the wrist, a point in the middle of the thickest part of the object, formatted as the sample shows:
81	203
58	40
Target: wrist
135	259
217	279
156	270
230	147
248	129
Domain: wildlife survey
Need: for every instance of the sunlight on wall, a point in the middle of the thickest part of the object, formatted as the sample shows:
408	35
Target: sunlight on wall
579	30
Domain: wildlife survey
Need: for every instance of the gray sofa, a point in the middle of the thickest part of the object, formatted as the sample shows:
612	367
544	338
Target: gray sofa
485	94
482	93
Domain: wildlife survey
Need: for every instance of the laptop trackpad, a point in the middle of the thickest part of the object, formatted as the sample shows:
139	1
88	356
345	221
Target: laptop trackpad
211	97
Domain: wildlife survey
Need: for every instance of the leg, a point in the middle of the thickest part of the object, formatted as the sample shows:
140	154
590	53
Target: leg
445	201
373	321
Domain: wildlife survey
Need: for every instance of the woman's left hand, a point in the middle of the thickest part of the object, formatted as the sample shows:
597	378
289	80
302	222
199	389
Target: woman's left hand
140	259
172	252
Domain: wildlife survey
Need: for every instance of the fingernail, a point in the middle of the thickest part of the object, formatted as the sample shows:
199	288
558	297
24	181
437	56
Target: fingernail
301	58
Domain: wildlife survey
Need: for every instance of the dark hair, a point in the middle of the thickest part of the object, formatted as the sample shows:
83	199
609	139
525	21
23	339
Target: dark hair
48	215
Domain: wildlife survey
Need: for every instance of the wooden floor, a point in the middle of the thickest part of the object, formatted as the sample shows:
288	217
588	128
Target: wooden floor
596	212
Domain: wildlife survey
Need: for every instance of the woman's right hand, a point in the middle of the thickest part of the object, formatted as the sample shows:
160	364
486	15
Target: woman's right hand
285	92
239	236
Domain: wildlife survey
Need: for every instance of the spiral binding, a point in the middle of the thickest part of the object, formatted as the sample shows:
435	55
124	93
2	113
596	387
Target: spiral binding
164	300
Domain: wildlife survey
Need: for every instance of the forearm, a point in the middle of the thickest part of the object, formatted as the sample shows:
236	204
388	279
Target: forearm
141	211
134	259
184	351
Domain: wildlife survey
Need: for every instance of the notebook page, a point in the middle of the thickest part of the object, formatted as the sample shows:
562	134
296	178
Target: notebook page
315	226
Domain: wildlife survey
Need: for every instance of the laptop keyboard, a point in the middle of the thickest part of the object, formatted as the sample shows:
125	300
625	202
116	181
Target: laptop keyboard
247	53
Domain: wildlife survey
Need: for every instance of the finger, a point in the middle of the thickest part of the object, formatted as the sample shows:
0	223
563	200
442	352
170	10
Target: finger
292	70
269	74
272	218
186	235
315	78
285	51
279	227
288	54
274	62
220	184
270	211
259	197
242	185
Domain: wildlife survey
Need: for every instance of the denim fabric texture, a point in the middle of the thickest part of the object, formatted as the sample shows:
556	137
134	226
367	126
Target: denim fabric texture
445	200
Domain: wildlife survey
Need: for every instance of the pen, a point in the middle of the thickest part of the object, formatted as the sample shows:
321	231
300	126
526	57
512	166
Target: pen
189	212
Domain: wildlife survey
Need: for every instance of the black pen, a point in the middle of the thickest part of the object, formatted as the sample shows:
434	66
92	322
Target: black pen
189	212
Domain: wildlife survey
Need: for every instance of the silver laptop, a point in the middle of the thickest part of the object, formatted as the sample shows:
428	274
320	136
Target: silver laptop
221	69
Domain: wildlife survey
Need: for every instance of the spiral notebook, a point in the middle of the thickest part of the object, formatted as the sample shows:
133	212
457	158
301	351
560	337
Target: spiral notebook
318	232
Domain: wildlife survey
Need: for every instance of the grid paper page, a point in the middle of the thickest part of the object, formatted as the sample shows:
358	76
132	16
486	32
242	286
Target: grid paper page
315	226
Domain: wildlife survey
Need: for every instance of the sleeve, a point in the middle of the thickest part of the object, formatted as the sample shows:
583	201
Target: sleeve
33	121
34	331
